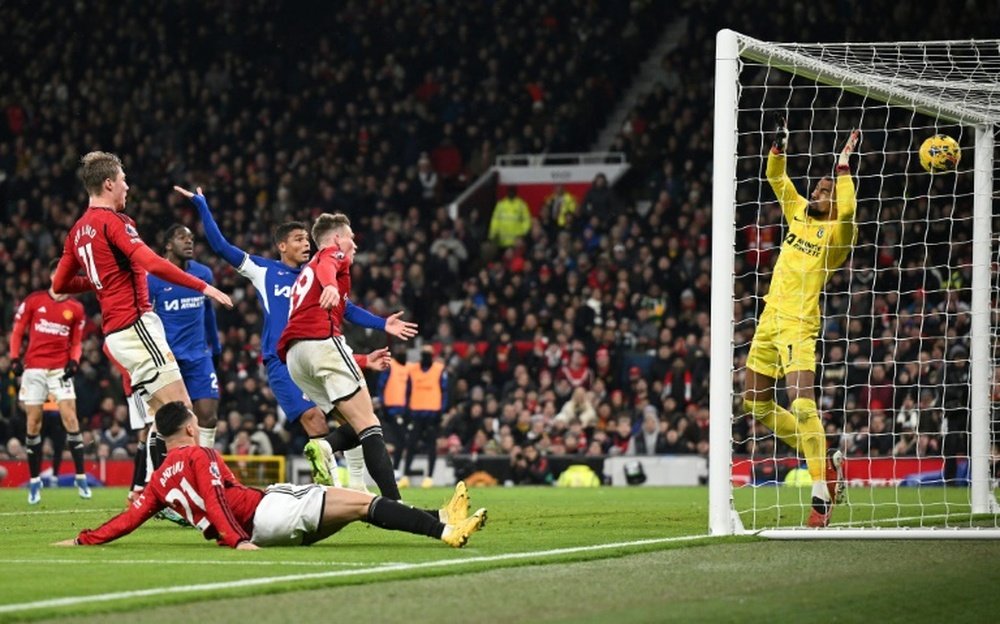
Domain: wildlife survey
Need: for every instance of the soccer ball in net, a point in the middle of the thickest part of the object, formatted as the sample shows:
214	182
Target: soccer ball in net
940	153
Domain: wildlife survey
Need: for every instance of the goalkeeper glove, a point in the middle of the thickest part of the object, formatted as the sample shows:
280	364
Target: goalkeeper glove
779	139
70	371
844	160
17	367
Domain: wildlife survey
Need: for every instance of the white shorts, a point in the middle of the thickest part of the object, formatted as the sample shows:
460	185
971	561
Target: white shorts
325	370
141	349
138	412
38	383
288	513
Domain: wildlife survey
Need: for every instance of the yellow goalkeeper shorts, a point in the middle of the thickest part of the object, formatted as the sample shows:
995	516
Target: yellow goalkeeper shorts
783	344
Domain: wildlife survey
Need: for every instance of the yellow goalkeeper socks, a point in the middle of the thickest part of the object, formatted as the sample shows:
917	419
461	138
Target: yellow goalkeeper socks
777	419
811	436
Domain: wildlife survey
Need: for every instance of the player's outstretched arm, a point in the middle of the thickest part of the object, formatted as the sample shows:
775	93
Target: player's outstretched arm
395	326
846	197
777	177
392	325
229	252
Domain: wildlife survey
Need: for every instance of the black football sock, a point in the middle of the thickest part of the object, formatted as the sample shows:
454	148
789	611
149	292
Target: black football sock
139	467
378	462
393	515
820	505
157	450
33	445
75	441
343	438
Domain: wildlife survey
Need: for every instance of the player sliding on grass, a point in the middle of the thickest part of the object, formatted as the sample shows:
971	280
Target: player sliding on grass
273	281
196	483
821	232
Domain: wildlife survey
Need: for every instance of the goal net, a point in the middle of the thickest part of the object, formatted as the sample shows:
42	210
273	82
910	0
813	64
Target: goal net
907	380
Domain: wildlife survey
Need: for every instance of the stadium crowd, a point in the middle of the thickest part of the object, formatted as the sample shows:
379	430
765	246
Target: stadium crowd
588	336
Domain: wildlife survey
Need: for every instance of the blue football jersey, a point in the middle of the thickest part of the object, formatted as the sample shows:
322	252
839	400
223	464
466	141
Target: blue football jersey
273	280
187	315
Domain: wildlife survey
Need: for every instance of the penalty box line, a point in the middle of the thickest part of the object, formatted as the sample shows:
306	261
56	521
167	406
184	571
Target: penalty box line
69	601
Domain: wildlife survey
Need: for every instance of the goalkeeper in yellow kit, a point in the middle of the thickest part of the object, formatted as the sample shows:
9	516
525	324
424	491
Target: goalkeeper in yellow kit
821	232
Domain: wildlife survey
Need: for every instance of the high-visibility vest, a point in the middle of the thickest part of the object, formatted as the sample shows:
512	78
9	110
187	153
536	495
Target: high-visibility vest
394	392
425	387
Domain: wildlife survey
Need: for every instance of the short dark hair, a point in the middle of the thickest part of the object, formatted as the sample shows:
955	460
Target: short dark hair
95	168
171	232
171	417
326	223
282	231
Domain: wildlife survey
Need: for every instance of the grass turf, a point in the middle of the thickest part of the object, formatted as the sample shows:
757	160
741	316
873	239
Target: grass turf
508	573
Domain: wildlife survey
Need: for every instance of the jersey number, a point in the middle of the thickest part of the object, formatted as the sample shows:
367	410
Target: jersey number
87	259
301	287
185	497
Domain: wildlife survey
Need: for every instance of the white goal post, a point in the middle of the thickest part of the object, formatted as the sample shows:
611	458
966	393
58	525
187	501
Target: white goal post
898	94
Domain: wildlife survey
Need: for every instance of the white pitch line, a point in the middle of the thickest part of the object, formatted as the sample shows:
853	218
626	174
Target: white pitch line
270	580
105	562
61	511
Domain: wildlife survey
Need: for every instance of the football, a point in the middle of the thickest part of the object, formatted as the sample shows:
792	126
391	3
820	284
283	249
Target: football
940	153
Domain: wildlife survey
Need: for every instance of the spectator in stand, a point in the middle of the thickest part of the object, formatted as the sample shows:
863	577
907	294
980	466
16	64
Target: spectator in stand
650	440
511	219
559	209
529	467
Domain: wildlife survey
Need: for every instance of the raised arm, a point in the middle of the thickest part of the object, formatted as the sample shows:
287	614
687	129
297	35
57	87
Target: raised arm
788	198
846	230
229	252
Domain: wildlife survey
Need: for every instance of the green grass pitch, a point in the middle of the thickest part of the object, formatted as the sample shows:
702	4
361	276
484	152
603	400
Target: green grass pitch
546	555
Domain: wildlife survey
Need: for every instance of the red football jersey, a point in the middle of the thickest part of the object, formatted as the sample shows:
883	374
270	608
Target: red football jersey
106	245
54	327
197	484
306	319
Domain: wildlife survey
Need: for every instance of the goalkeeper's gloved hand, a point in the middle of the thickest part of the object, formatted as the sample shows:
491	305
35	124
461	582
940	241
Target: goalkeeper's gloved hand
844	160
17	367
779	140
70	371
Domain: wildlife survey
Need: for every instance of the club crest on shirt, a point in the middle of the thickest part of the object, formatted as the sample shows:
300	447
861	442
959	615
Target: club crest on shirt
819	233
339	255
68	315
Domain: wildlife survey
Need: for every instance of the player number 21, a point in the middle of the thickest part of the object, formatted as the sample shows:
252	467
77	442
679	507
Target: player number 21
87	259
186	496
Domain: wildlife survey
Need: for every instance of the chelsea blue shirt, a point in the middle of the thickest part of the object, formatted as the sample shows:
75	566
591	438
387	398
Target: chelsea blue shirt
273	280
187	315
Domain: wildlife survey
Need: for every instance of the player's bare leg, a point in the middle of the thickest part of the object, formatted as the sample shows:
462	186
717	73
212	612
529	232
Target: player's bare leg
357	410
33	446
67	412
207	411
173	391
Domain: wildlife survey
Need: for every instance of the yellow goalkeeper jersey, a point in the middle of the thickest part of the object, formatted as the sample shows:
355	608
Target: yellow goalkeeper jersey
812	249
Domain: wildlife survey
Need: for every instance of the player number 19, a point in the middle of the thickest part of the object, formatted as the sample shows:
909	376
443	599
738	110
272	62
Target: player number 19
301	287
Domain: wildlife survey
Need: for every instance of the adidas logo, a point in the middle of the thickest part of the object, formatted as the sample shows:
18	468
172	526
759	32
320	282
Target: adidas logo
42	309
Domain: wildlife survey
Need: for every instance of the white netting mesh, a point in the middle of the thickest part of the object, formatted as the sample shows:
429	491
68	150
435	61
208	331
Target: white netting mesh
892	372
